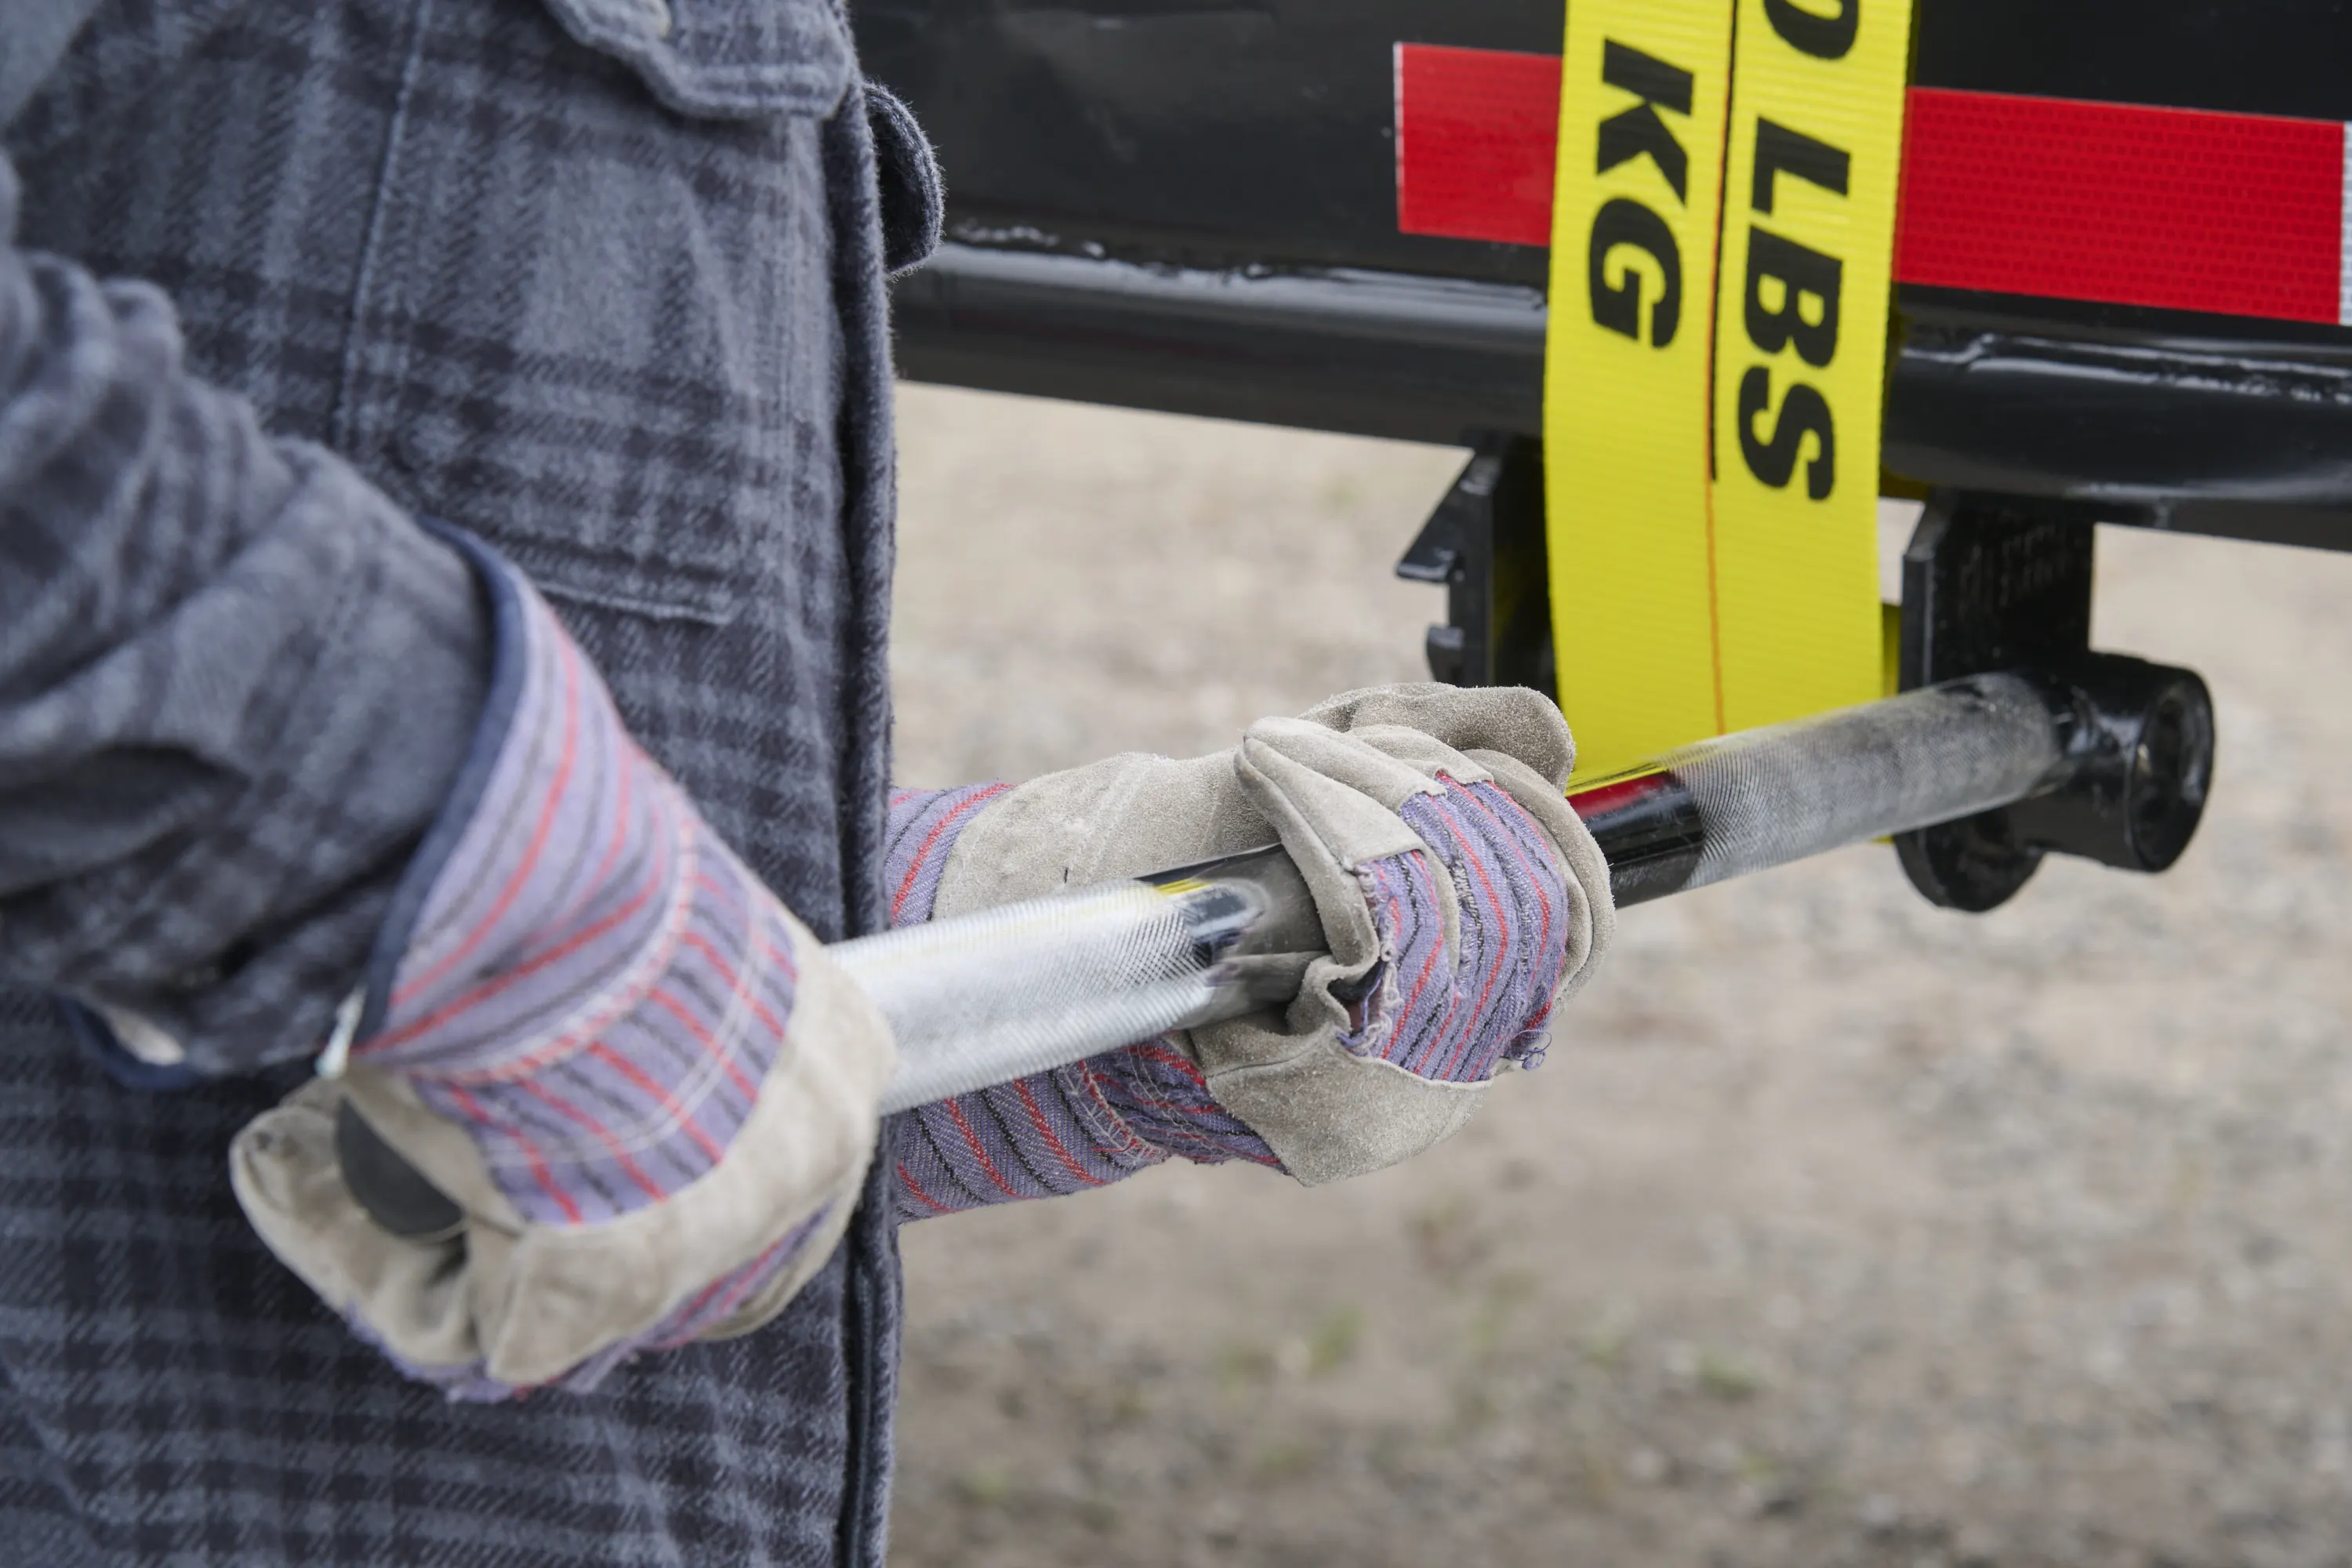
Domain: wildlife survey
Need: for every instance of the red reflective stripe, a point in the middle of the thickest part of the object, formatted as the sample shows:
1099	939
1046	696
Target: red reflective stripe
1476	130
2119	204
2234	213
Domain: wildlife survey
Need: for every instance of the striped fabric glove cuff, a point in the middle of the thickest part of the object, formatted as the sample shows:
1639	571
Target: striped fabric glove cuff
1064	1131
1452	1018
636	1075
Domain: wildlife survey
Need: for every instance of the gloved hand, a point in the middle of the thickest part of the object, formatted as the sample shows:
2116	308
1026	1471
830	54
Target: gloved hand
647	1091
1459	894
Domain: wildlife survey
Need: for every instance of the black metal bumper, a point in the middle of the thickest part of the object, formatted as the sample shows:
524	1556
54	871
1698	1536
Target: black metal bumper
2247	438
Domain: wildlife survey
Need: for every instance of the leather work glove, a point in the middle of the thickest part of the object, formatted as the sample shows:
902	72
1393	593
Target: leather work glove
649	1093
1460	897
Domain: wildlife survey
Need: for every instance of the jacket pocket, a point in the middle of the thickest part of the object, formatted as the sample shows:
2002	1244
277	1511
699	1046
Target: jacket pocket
602	312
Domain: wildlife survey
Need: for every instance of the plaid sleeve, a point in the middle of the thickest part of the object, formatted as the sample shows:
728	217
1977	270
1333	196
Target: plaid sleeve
1053	1133
236	683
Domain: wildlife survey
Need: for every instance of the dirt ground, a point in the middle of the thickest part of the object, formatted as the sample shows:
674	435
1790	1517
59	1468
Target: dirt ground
1837	1230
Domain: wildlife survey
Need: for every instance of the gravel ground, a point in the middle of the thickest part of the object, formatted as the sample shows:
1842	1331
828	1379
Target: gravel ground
1838	1230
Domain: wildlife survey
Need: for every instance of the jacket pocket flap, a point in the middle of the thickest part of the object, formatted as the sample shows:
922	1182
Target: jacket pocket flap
723	60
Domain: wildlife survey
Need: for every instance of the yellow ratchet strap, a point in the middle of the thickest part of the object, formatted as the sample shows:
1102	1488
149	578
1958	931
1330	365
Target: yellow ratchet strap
1723	238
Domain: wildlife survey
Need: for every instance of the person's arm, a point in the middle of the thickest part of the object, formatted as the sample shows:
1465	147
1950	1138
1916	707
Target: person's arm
644	1095
281	770
235	684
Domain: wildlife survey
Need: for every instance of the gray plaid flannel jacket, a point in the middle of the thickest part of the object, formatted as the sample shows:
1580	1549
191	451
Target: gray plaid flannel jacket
600	281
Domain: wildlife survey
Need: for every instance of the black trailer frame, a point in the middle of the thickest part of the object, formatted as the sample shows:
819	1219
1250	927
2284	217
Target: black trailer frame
1191	205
